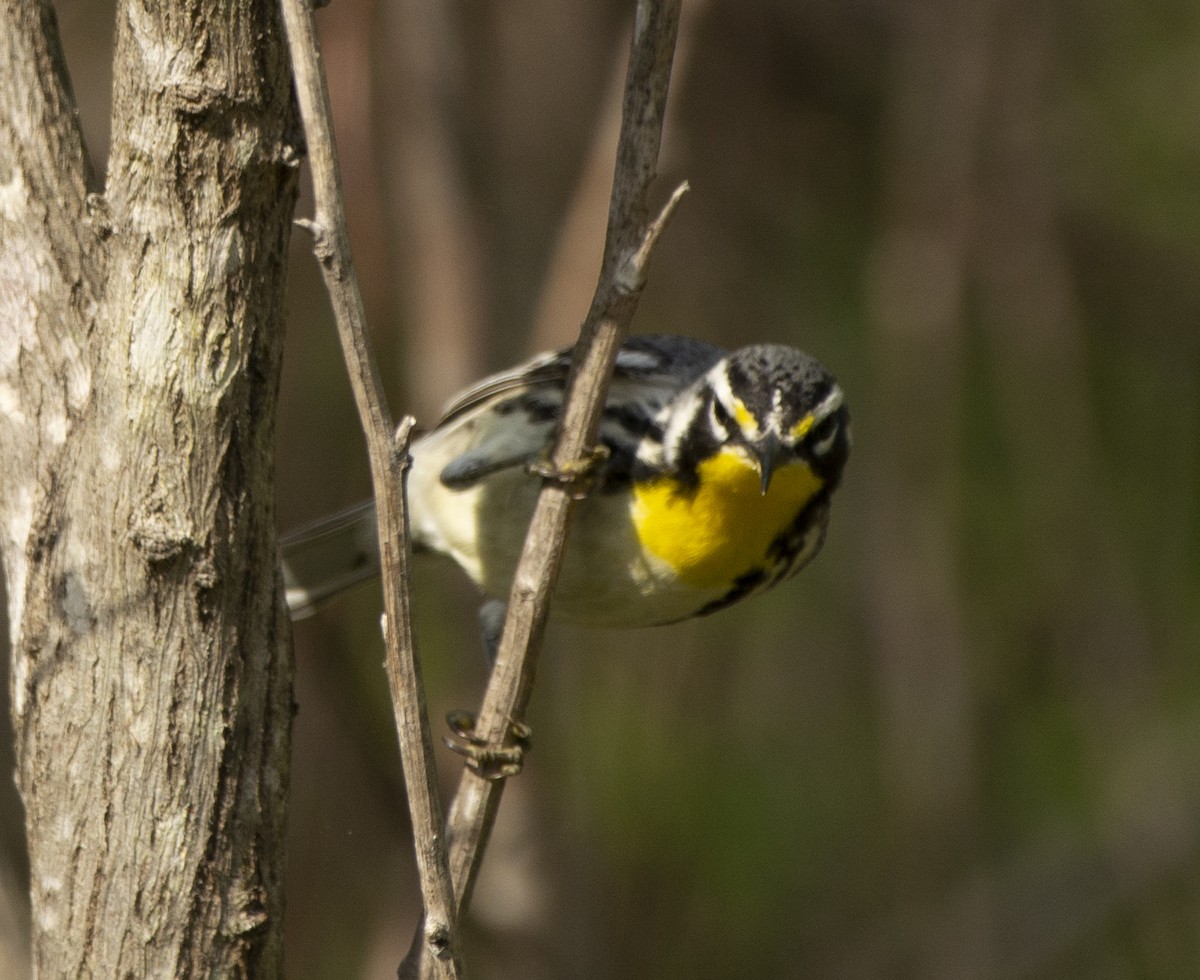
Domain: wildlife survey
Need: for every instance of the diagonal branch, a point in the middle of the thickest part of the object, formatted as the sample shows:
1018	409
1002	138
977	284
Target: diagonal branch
629	240
388	454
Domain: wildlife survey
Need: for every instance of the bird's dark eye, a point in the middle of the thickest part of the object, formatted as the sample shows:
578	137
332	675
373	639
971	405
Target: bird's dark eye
721	415
822	434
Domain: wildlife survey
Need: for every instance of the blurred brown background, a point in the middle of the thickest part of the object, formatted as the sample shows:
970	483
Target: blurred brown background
965	742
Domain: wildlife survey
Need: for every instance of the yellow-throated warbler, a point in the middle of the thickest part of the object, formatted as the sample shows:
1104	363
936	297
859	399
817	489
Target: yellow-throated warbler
716	484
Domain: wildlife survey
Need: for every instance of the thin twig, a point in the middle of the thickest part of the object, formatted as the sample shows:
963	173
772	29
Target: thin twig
581	235
388	452
628	243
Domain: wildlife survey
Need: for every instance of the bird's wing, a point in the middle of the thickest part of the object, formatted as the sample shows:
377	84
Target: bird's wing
509	418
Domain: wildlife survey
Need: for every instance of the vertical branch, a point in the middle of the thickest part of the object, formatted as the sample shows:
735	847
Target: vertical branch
388	454
629	240
918	287
1031	317
439	285
140	331
581	234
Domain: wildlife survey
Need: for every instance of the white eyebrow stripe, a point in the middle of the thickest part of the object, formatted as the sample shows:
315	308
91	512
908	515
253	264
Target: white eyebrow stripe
822	447
833	401
718	378
722	389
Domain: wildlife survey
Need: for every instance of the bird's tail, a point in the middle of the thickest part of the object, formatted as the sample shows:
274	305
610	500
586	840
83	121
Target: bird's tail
328	557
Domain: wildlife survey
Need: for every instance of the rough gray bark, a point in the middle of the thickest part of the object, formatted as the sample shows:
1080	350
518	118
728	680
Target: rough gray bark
140	336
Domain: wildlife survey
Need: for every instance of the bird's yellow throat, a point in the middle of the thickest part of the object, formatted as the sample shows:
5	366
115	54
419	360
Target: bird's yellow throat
723	529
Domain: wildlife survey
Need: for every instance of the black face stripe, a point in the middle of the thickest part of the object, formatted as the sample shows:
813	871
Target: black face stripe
698	443
829	464
722	419
822	431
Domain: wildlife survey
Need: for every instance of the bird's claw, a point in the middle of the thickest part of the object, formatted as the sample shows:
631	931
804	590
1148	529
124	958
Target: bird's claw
488	761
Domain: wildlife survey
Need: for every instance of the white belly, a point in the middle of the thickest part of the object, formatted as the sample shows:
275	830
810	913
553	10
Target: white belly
606	578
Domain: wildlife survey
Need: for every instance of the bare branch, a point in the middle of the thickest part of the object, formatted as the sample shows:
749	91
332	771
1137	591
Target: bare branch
416	63
581	233
139	359
628	243
388	454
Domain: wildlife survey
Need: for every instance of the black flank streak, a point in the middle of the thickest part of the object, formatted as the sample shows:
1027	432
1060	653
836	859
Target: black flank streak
743	585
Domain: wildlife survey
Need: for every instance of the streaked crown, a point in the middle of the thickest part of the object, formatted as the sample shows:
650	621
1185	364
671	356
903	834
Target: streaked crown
774	403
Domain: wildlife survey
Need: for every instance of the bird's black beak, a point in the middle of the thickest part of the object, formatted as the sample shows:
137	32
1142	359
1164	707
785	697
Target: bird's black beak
767	450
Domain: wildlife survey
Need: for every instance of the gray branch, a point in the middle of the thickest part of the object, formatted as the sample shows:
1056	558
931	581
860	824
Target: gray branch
388	452
630	237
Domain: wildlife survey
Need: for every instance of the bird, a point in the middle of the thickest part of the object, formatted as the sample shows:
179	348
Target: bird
713	483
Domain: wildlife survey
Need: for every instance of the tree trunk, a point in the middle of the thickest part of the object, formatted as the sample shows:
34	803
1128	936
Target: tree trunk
140	339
